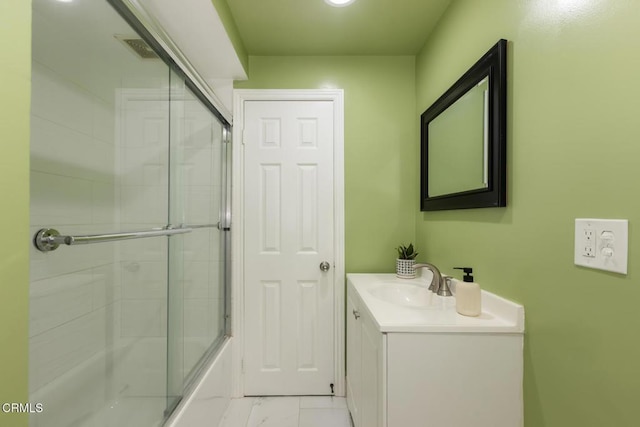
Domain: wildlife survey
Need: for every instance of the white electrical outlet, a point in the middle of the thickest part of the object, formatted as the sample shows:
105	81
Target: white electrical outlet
602	244
588	242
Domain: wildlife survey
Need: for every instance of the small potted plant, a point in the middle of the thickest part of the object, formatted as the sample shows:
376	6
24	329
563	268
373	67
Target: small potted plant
404	263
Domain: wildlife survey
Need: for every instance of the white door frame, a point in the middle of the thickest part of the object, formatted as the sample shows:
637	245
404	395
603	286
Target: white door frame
240	96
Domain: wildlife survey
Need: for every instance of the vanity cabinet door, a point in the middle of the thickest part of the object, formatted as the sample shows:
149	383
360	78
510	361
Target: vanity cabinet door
365	366
371	406
454	380
354	373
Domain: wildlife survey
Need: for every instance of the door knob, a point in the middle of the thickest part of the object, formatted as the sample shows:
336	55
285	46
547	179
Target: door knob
324	266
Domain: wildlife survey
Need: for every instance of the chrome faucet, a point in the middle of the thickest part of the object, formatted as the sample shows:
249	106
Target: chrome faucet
439	284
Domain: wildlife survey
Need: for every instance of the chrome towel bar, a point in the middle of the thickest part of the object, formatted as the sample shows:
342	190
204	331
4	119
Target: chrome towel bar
48	239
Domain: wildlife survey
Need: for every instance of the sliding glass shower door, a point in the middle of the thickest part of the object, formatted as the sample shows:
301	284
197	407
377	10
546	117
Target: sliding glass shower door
119	328
196	260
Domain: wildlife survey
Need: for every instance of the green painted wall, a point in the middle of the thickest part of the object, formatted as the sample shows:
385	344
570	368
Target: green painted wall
573	150
380	184
15	69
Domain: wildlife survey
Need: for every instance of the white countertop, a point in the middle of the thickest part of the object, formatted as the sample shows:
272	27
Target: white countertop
498	314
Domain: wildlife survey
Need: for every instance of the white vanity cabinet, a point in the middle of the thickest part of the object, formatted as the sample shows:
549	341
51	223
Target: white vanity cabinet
365	367
429	366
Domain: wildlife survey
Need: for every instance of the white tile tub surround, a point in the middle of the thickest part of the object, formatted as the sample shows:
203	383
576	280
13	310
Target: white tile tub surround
141	250
195	318
141	367
60	150
72	176
60	200
196	279
83	384
143	279
61	101
60	349
74	292
130	411
143	204
144	317
291	411
81	327
143	166
58	300
89	407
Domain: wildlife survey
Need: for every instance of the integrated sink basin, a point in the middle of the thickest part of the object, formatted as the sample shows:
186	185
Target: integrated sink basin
407	305
409	294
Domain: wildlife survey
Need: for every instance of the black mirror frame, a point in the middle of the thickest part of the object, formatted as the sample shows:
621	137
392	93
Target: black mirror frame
494	65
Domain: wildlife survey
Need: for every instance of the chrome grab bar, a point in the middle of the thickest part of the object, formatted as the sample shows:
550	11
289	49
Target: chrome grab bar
48	239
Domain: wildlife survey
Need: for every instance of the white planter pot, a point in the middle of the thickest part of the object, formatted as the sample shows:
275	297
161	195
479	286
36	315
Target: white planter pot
404	268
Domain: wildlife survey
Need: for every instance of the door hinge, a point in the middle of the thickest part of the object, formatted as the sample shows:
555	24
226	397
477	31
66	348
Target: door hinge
242	366
331	386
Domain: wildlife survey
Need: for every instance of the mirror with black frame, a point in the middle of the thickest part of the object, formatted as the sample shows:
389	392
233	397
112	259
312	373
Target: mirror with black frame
463	139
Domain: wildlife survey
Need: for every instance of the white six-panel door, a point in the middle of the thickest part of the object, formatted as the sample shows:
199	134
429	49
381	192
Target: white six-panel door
288	233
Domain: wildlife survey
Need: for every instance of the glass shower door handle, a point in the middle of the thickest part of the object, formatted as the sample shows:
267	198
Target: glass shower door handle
222	227
219	225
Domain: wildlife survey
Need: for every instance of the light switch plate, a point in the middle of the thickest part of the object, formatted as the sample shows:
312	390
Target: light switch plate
602	244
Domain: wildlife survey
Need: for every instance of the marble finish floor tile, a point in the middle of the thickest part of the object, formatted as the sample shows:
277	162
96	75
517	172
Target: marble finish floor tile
322	402
275	412
237	413
288	411
324	417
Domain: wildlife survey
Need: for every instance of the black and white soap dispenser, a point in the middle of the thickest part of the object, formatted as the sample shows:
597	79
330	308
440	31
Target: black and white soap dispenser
468	299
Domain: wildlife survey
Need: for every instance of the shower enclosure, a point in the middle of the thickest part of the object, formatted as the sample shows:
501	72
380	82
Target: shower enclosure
128	289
